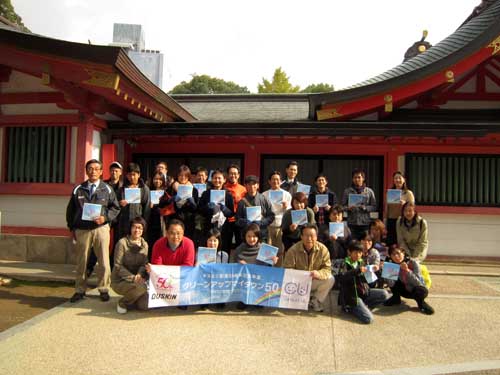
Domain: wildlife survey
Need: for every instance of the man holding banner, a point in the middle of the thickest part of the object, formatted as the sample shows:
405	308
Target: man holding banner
311	255
174	249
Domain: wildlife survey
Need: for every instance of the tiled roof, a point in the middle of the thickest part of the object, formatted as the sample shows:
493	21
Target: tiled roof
227	108
472	35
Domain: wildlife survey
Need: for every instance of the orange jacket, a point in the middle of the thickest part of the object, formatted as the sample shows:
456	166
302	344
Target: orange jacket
238	192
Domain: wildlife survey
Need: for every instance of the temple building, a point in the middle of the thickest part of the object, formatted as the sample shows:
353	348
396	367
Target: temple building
436	117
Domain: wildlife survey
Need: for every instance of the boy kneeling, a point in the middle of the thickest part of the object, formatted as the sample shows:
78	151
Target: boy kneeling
355	296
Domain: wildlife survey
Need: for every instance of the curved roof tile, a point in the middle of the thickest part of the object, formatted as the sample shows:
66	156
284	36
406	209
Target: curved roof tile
469	37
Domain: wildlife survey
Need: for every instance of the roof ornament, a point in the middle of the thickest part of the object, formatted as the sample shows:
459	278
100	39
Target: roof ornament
418	47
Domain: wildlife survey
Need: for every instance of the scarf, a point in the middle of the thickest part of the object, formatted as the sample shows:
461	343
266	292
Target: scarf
247	253
359	189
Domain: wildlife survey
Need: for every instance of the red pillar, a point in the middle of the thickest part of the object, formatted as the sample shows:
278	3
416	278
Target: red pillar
109	155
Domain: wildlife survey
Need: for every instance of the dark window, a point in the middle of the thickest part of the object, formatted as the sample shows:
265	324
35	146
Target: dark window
454	180
36	154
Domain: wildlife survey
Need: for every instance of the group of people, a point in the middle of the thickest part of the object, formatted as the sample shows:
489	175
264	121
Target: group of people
169	230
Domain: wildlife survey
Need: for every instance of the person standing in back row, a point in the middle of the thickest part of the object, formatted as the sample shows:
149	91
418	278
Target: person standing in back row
251	199
116	182
92	231
238	192
291	183
358	217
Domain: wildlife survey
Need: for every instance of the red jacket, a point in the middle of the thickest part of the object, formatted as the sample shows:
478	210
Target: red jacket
182	256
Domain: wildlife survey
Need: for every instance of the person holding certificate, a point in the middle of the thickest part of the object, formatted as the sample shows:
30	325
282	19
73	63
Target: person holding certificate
321	199
255	202
217	205
134	198
91	208
155	227
186	199
360	201
281	200
295	219
394	207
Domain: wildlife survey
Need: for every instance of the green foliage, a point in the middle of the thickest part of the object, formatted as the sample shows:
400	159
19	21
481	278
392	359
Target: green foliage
7	11
279	84
205	84
317	88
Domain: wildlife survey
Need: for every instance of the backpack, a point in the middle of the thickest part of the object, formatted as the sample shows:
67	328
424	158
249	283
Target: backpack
426	276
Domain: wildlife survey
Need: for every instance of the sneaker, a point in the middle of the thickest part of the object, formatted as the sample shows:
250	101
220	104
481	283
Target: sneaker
120	308
425	308
76	297
394	300
315	305
104	296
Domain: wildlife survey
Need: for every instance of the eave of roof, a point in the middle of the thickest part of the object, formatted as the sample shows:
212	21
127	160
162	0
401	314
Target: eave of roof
115	57
469	38
309	128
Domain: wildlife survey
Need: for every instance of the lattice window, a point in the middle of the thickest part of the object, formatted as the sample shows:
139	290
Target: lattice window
36	154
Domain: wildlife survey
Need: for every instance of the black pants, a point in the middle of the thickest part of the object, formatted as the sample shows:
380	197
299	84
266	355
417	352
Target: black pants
391	232
419	293
228	230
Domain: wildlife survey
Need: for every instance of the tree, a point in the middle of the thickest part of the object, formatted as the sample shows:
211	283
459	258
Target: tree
7	11
205	84
317	88
279	84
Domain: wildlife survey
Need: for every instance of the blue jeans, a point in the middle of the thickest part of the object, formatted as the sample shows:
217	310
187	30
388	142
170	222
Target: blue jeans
362	310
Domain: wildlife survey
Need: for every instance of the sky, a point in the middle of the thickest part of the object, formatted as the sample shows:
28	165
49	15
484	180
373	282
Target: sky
329	41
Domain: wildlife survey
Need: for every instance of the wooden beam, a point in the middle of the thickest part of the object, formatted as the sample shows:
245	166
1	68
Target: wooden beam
31	97
5	72
33	120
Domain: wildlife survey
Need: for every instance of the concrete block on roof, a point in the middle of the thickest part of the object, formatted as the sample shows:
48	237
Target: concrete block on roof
13	247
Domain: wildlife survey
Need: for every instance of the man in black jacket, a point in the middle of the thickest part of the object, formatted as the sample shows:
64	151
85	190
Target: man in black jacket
291	183
254	198
91	208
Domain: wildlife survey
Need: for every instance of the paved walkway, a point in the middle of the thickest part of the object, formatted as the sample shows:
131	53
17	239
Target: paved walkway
89	337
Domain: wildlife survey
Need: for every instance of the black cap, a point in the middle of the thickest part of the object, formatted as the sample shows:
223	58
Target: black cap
251	179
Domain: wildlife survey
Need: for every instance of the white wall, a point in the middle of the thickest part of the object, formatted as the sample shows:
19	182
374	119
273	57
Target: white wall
449	234
33	211
463	235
